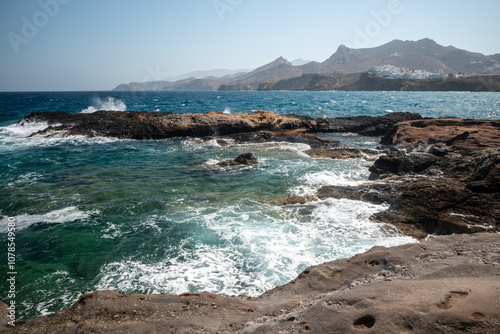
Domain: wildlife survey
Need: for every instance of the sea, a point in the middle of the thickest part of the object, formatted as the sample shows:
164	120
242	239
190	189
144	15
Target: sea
159	216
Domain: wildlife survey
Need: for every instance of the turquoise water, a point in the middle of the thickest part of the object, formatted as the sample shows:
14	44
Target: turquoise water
161	217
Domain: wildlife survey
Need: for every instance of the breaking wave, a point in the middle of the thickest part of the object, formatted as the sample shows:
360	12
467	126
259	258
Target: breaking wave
108	103
61	216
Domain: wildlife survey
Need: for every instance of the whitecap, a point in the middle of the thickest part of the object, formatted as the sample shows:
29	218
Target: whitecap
20	135
296	148
108	103
227	110
68	214
243	250
23	129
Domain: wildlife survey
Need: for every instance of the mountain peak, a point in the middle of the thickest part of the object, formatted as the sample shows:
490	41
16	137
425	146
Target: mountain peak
343	48
277	62
280	60
427	41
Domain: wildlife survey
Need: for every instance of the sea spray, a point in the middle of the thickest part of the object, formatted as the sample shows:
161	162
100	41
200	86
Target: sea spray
108	103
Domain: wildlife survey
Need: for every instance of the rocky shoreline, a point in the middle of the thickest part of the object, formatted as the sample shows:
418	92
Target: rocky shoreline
447	284
438	176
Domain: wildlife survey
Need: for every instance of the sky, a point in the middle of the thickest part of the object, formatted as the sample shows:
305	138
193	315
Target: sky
90	45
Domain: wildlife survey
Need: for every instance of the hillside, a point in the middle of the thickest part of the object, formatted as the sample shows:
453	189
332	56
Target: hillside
424	54
367	82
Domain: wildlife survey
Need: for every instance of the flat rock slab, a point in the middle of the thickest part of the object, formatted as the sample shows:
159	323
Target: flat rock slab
463	134
447	284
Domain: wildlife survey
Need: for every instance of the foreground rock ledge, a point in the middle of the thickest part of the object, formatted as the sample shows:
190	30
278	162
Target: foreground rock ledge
447	284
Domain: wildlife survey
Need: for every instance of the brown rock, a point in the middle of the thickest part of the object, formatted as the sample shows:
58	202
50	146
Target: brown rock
152	125
4	316
447	284
460	134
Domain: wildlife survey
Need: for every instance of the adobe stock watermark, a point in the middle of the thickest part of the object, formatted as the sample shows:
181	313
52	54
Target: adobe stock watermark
11	270
155	74
224	6
31	26
381	19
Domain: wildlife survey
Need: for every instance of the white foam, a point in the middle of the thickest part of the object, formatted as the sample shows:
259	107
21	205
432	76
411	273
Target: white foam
17	136
63	297
340	173
296	148
211	162
227	110
249	249
199	144
23	129
108	103
26	179
61	216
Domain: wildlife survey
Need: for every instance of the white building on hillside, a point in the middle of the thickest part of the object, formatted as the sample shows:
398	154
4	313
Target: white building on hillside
393	72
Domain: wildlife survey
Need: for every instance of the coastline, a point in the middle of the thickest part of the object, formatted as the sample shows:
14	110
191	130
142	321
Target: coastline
414	162
444	284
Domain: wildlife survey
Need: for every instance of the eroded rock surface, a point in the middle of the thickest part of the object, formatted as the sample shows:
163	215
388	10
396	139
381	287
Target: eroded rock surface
153	125
451	134
447	284
439	176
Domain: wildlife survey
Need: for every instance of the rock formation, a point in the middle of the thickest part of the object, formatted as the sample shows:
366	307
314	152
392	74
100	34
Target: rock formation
245	159
440	176
447	284
154	125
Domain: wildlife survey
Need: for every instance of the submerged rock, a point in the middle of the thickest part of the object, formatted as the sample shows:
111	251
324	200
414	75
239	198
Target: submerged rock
246	159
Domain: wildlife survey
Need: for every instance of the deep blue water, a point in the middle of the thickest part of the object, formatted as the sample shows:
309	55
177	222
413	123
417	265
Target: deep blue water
160	217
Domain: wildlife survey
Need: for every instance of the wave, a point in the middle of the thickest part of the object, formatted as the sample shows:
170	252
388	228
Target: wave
23	128
16	136
61	216
243	251
108	103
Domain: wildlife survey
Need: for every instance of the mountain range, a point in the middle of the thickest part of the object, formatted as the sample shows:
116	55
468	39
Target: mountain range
424	54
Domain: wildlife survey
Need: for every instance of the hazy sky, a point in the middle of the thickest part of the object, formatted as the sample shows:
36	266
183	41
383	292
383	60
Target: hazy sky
98	44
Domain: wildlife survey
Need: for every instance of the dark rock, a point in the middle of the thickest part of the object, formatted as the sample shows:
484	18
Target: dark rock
246	159
369	126
439	176
289	136
486	172
151	125
398	162
376	194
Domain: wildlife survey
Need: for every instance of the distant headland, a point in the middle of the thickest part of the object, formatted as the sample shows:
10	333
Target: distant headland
422	65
